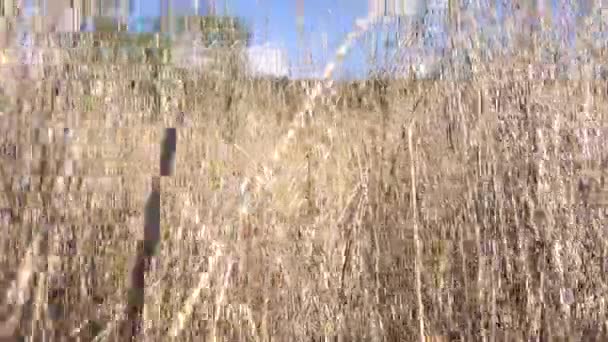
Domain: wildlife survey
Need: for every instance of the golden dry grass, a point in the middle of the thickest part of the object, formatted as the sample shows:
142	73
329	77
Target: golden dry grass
467	210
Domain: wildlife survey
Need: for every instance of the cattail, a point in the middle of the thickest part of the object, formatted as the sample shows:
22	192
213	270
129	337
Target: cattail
151	241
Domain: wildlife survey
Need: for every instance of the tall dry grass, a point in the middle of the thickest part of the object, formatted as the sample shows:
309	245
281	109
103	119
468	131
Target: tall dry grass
391	210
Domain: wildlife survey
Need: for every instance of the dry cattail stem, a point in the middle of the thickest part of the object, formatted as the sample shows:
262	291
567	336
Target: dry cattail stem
147	249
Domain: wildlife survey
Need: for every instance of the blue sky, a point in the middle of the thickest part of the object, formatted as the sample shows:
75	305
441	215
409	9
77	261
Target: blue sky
275	22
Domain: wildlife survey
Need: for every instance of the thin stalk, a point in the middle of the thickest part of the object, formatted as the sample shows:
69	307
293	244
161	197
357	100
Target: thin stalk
417	242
